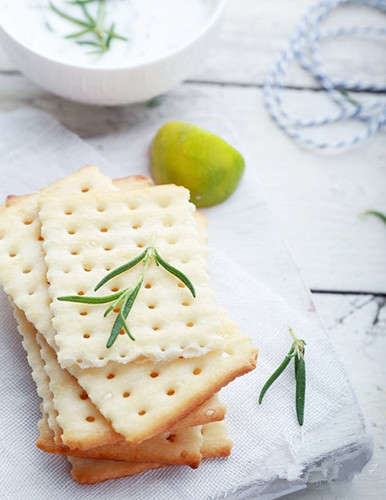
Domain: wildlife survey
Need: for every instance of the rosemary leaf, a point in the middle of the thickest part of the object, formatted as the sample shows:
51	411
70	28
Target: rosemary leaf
126	328
121	269
90	300
123	313
87	13
381	216
78	34
66	16
87	42
119	37
116	326
100	15
114	331
126	308
116	303
94	26
109	36
180	275
81	2
283	365
300	389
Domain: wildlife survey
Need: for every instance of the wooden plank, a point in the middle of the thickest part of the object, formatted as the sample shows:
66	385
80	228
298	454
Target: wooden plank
254	32
356	326
316	198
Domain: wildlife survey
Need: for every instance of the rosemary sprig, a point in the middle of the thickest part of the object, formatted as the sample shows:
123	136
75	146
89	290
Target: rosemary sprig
125	299
297	352
121	269
172	270
94	26
381	216
90	300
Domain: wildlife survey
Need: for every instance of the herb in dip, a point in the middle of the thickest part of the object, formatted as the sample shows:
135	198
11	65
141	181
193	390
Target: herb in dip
90	26
154	29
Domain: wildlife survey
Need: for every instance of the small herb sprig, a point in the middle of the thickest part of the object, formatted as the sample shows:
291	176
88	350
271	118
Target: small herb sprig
376	213
296	352
94	26
125	299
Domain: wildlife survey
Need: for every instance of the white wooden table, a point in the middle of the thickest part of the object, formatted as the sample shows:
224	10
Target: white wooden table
316	198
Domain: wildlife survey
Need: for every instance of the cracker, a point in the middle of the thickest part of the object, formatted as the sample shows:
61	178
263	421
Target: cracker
211	410
172	409
22	266
142	400
83	426
180	447
173	447
129	182
133	182
68	395
89	471
63	400
94	471
39	375
84	237
215	440
102	432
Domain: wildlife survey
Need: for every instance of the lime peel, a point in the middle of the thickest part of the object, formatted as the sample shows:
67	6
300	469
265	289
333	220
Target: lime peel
189	156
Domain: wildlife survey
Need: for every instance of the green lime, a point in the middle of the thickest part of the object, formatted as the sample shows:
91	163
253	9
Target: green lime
189	156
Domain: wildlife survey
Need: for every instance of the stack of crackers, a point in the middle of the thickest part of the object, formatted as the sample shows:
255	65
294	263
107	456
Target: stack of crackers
137	405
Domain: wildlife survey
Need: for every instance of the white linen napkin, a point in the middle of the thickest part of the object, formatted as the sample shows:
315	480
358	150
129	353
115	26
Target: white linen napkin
272	455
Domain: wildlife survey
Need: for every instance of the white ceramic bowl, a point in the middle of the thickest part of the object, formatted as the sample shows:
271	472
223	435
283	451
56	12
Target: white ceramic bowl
114	86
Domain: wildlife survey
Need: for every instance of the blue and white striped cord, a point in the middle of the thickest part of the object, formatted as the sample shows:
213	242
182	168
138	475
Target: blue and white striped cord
304	48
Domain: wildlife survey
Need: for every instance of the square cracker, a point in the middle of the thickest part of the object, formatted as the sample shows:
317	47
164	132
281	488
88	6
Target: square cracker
82	424
86	236
64	401
215	444
179	448
170	409
78	432
89	471
84	427
142	399
28	332
22	267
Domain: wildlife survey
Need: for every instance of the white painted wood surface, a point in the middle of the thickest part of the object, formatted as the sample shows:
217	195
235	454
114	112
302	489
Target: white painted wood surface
255	31
316	198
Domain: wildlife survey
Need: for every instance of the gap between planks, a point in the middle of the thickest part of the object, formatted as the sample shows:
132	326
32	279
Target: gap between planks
256	85
347	292
236	84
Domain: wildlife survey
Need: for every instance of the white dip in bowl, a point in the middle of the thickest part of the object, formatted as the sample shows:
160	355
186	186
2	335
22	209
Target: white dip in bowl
163	41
